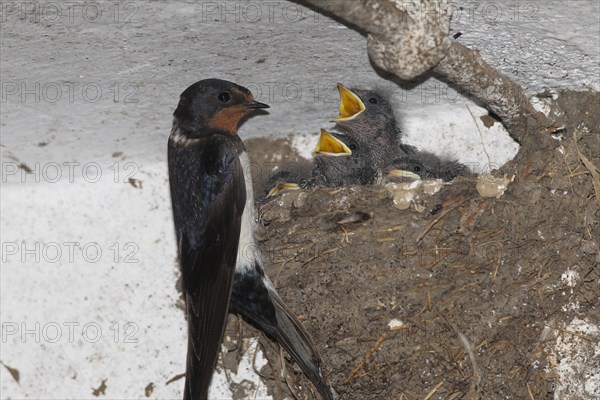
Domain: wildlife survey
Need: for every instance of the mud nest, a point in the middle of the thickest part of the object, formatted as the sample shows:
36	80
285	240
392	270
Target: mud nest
460	300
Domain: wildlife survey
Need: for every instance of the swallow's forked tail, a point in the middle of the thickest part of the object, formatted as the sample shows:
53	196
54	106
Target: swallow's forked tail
262	306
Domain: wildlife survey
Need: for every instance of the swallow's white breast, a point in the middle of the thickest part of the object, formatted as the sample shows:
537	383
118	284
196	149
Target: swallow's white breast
248	253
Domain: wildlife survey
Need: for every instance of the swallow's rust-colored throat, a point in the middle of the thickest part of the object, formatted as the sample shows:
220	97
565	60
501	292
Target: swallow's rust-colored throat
228	119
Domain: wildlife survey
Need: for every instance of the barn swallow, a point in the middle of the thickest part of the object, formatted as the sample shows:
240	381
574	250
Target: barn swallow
423	165
208	193
285	180
288	177
213	210
368	116
367	141
344	160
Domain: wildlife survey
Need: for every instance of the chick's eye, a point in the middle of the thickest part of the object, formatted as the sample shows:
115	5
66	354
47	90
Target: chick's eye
416	168
353	147
224	97
373	100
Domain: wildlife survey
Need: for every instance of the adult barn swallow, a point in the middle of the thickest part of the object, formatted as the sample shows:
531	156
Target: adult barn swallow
208	193
213	209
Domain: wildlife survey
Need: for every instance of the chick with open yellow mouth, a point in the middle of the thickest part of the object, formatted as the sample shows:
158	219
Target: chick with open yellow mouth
341	160
351	105
366	113
335	163
367	147
330	145
369	140
368	117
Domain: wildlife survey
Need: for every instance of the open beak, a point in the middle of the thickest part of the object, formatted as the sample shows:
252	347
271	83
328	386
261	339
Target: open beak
400	175
350	104
282	188
255	105
329	145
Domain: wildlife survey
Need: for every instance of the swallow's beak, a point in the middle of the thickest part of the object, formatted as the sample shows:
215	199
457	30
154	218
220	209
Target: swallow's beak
282	188
400	175
255	105
329	145
350	104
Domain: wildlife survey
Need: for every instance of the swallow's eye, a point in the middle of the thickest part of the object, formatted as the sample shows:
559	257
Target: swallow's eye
373	100
416	168
353	147
224	97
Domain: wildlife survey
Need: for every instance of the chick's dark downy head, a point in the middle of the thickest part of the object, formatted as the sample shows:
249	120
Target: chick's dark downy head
424	165
343	160
366	113
213	103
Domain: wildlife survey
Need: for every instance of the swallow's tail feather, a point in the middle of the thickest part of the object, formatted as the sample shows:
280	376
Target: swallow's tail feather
296	340
207	316
263	308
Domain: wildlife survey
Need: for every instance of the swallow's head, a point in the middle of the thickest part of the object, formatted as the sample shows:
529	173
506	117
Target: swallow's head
343	160
283	181
333	145
351	104
365	111
407	169
214	103
423	165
